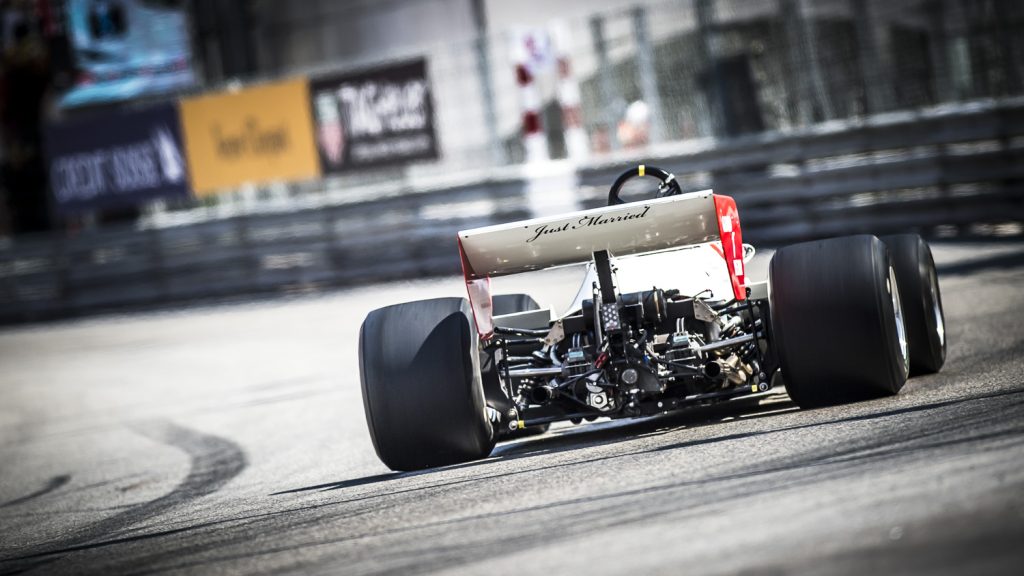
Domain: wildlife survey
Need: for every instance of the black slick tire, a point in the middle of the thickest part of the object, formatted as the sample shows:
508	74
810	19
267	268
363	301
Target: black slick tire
922	302
835	321
422	390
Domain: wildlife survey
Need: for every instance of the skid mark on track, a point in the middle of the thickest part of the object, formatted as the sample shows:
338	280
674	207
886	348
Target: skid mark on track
577	517
989	419
53	484
214	461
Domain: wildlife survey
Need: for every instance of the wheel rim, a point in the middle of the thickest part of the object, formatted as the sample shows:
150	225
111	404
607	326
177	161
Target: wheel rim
940	323
897	308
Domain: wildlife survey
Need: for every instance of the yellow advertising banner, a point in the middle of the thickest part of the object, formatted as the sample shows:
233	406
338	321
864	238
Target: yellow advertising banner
260	134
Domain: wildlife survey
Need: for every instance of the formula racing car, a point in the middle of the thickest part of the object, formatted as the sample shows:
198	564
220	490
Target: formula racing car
664	318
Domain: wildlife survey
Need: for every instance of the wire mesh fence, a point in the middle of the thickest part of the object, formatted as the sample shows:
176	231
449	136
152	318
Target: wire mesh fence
809	114
686	69
645	75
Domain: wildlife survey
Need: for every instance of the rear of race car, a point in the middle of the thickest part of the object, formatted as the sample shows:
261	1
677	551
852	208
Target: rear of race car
665	318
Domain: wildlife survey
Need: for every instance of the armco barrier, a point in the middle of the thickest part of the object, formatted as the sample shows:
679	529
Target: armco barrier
398	237
910	171
902	171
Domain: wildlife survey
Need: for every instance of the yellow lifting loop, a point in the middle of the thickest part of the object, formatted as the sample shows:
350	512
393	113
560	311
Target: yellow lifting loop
640	170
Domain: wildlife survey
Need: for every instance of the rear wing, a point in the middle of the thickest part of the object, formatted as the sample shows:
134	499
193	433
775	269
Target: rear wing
668	223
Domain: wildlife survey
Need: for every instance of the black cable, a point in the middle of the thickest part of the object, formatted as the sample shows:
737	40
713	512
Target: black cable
520	331
676	365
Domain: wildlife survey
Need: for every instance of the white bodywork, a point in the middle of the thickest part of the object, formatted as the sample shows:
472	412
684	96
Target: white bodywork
689	242
623	230
691	270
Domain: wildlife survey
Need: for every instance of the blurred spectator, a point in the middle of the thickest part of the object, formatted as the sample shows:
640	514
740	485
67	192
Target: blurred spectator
600	141
635	126
106	18
24	78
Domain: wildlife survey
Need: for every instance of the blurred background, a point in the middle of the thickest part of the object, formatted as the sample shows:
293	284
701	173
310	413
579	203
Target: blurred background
156	152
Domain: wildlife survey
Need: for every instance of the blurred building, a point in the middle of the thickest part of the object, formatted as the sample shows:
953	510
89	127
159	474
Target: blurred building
697	68
32	51
207	148
703	67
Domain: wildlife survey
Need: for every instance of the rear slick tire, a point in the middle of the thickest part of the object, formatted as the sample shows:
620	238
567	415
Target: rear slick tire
422	392
837	323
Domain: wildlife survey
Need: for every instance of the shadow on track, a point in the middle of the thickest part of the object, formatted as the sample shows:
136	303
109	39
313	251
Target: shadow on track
959	421
377	478
963	422
613	432
603	433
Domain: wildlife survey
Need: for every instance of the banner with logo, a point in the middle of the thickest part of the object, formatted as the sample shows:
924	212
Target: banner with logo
374	118
116	160
256	135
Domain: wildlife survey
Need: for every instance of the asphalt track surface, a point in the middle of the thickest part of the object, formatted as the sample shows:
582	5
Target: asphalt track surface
231	440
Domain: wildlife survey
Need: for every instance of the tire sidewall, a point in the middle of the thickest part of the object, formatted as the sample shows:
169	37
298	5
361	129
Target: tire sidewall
885	278
921	294
929	277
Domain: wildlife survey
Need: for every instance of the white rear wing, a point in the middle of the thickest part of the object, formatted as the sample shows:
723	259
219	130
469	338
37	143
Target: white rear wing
635	228
623	230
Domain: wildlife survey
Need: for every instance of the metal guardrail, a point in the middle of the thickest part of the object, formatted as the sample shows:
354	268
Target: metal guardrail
398	237
902	171
897	172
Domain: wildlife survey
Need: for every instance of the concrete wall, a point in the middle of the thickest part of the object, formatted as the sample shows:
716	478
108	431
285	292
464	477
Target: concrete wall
317	33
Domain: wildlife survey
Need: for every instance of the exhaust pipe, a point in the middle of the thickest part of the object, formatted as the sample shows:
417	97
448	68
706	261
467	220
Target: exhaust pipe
541	394
731	368
714	370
